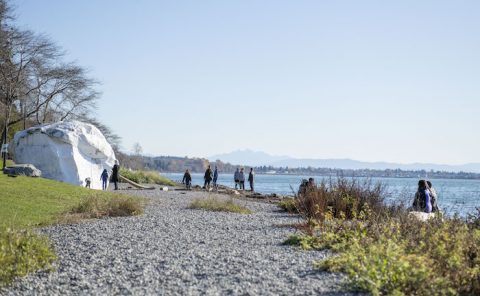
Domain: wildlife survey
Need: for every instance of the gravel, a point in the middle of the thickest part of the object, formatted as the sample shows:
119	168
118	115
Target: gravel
172	249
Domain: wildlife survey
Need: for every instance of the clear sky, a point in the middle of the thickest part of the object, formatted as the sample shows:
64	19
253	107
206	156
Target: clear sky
369	80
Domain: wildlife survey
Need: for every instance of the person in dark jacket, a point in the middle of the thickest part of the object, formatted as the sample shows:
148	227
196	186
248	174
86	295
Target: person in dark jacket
187	179
104	178
115	171
236	178
215	177
250	179
207	178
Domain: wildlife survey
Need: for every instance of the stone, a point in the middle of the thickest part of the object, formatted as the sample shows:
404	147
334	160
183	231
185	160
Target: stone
421	216
28	170
67	151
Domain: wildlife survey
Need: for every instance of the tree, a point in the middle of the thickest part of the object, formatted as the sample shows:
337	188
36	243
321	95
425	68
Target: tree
36	85
137	149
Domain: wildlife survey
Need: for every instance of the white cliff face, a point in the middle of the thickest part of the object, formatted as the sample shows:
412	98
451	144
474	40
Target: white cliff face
65	151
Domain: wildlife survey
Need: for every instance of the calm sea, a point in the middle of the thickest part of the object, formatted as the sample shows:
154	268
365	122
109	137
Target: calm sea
455	196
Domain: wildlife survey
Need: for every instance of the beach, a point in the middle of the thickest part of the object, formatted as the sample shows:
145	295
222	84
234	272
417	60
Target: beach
172	249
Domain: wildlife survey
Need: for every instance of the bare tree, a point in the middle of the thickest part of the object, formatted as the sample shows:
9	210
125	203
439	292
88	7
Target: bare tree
137	149
35	84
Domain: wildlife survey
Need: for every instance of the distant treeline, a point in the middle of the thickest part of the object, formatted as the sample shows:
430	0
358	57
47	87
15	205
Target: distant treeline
172	164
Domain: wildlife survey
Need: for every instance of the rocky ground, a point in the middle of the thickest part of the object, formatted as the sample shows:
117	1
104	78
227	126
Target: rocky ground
175	250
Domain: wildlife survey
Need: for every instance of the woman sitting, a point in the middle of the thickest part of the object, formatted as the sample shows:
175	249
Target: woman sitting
423	199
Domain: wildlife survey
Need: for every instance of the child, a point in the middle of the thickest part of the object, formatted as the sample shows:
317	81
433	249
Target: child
104	178
87	182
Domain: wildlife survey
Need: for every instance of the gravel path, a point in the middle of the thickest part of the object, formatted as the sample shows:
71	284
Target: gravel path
175	250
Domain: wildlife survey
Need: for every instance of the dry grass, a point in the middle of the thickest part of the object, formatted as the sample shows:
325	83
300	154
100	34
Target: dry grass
218	205
340	198
96	206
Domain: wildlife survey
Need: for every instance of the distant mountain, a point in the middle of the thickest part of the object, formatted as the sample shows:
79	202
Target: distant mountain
355	164
248	157
258	158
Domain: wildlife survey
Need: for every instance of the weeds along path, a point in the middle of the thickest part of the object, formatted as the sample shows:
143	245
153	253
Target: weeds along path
172	249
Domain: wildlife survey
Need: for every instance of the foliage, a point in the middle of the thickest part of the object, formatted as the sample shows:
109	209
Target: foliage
340	198
96	206
386	251
218	205
306	242
146	177
21	252
288	205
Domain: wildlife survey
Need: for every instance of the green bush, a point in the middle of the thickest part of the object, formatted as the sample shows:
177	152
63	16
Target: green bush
288	205
21	252
218	205
146	177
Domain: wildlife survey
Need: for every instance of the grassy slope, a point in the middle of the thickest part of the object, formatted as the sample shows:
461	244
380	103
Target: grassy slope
146	177
26	201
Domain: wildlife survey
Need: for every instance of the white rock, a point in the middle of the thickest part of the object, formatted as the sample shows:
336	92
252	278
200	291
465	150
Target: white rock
65	151
23	170
421	216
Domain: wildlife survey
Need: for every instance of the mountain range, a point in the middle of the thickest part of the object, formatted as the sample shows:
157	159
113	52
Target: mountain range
259	158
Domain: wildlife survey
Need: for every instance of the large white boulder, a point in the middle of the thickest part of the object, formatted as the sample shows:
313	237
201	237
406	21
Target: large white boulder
65	151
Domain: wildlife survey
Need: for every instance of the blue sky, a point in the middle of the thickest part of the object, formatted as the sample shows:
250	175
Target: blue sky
369	80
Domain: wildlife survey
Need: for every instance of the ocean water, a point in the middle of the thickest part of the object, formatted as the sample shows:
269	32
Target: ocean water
454	196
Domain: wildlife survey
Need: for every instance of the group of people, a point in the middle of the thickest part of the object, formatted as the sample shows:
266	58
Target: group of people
239	179
426	199
211	177
104	177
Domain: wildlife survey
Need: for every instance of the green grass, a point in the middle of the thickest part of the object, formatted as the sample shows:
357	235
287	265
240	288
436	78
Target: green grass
21	252
27	202
218	205
146	177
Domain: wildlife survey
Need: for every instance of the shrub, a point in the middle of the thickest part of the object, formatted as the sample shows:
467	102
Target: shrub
340	198
217	205
21	252
288	205
96	206
387	252
146	177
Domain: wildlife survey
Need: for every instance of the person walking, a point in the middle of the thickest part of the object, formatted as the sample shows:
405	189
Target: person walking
215	177
236	178
104	178
241	179
115	171
208	178
187	179
250	179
